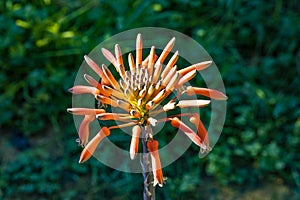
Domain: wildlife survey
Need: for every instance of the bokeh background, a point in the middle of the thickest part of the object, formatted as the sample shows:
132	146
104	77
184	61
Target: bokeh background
254	44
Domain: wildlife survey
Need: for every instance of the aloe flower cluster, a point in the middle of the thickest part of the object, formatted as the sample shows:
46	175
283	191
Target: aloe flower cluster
145	89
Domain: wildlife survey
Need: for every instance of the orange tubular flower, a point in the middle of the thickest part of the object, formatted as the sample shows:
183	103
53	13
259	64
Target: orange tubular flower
83	131
202	133
155	160
92	145
143	91
189	132
134	145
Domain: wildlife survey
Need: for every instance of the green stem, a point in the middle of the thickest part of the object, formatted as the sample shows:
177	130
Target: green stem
149	190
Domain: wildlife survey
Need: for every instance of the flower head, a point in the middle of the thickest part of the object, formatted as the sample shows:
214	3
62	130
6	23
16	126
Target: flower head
145	89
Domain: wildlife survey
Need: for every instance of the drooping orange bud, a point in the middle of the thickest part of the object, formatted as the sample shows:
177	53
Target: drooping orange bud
83	131
134	144
202	132
156	165
188	131
90	148
214	94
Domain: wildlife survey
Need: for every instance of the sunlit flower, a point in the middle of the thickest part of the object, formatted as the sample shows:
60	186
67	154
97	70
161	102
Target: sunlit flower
145	89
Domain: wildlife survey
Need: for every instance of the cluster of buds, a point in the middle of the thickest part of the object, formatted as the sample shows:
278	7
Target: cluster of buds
140	95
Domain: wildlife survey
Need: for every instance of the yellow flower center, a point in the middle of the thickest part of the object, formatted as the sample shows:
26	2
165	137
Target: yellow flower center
140	91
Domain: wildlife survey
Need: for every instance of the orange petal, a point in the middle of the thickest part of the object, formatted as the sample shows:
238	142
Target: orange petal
156	73
139	50
170	65
171	85
145	61
81	89
110	77
214	94
92	145
110	91
151	60
113	116
123	125
166	50
123	104
120	68
96	68
97	85
161	95
169	76
85	111
131	63
110	57
198	66
91	81
106	100
202	132
188	131
156	165
149	105
83	131
188	76
193	103
150	91
134	144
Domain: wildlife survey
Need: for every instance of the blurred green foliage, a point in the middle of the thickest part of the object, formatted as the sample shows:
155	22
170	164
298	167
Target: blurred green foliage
255	45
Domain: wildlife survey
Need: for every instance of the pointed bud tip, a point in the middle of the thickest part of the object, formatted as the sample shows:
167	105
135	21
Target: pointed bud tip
81	160
132	156
87	59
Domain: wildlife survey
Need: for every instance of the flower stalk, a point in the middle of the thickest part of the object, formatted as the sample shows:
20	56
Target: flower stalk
149	189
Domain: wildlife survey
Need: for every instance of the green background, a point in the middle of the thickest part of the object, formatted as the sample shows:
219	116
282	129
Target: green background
255	46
